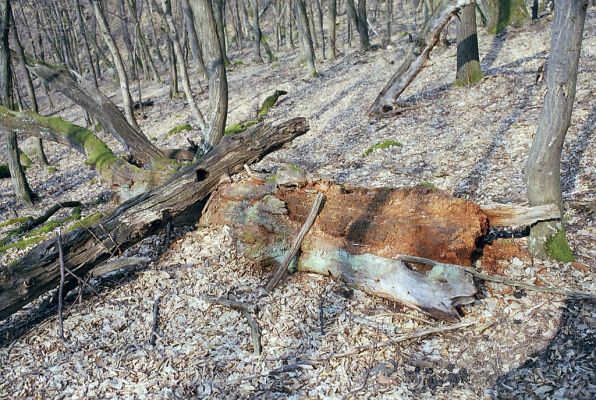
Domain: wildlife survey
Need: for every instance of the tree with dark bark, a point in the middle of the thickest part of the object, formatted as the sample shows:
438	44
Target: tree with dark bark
468	60
17	175
358	17
543	168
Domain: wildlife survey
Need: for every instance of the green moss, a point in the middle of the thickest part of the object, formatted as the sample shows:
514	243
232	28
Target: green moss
52	170
380	146
49	226
98	154
22	244
14	221
508	13
269	102
239	127
86	222
428	185
238	62
24	159
474	75
178	129
558	248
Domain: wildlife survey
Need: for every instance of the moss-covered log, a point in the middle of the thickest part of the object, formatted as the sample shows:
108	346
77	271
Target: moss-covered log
39	270
269	102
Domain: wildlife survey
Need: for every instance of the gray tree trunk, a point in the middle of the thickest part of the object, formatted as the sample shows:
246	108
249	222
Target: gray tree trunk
468	60
331	17
256	31
360	21
118	63
195	46
218	13
543	169
304	30
216	71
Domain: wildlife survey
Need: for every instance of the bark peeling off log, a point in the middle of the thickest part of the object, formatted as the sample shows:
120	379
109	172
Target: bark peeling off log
356	235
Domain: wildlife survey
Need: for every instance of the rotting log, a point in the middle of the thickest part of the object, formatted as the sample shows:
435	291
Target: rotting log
38	271
357	235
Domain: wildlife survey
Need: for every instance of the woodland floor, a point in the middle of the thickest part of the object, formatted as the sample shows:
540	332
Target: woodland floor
470	142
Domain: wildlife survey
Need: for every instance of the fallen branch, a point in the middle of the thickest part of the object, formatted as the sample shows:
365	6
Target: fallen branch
500	279
61	287
411	66
283	268
155	323
396	340
247	310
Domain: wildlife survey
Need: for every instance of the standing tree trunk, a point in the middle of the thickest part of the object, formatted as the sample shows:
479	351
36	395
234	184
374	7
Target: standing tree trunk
468	60
320	21
195	46
119	64
360	21
389	12
304	30
218	13
543	169
17	176
216	71
256	30
504	13
331	16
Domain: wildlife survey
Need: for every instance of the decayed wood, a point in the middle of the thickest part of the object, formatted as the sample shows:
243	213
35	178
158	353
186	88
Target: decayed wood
501	279
412	66
512	215
38	271
279	273
356	235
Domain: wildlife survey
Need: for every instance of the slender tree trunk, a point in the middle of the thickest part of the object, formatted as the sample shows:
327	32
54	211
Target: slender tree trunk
142	44
218	13
256	31
320	21
389	12
543	169
217	112
173	32
86	48
360	21
124	87
303	29
504	13
468	61
331	17
195	46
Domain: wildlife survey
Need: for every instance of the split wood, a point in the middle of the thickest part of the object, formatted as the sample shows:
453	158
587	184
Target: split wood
155	323
282	269
248	311
61	287
500	279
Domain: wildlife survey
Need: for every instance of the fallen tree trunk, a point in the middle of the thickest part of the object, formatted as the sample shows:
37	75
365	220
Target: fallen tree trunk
357	235
412	65
39	271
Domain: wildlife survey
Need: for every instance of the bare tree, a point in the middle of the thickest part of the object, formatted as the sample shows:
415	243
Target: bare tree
543	169
304	30
358	16
331	17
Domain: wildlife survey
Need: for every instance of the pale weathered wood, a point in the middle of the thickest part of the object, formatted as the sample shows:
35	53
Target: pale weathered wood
38	271
512	215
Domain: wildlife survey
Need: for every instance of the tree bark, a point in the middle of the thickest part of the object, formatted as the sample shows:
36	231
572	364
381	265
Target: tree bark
195	46
505	13
468	60
256	31
119	64
543	168
331	17
21	187
218	14
358	16
304	30
38	271
216	71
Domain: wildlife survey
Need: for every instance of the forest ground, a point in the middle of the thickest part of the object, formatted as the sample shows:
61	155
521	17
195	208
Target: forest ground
471	142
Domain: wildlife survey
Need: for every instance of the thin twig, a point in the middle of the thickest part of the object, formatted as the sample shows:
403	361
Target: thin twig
61	287
155	323
397	339
500	279
282	269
